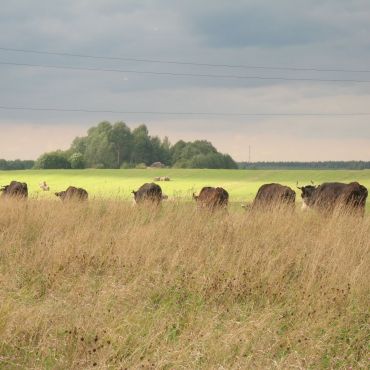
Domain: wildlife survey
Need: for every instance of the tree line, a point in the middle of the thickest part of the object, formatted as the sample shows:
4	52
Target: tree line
324	165
17	164
117	146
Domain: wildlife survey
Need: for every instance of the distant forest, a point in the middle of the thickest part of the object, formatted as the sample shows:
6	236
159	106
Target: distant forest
17	164
117	146
326	165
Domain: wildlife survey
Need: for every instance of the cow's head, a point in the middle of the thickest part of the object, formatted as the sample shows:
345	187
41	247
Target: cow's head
60	194
195	197
307	194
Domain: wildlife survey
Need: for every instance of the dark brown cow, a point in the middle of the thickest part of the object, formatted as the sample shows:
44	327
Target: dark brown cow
273	195
73	193
15	189
328	196
148	192
212	198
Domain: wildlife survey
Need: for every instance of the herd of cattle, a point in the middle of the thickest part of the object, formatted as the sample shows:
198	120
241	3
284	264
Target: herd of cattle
324	197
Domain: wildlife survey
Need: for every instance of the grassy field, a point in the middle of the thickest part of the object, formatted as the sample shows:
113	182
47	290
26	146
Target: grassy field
106	285
242	185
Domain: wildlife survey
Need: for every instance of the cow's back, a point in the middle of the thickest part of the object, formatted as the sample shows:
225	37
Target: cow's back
74	193
355	195
330	195
149	192
274	194
213	198
16	189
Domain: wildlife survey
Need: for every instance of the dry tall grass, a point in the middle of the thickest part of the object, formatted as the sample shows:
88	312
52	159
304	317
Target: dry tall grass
105	285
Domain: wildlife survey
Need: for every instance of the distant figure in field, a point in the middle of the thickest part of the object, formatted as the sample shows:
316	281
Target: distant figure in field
149	192
274	195
72	193
212	198
44	186
162	178
15	190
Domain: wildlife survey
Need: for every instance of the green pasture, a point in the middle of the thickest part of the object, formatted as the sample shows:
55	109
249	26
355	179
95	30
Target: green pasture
242	185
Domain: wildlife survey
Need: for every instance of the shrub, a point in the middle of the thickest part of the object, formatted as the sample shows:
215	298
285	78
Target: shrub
141	166
127	165
53	160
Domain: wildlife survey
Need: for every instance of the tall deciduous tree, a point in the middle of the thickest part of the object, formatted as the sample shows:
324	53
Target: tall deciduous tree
100	151
122	140
142	151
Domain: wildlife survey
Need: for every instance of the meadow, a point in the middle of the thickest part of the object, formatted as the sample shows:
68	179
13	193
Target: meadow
242	185
108	285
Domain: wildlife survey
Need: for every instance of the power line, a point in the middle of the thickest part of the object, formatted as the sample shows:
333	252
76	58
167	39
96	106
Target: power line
194	114
93	69
176	62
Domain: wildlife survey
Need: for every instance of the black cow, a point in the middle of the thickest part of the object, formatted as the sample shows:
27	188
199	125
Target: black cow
15	189
72	193
274	195
150	192
212	198
329	195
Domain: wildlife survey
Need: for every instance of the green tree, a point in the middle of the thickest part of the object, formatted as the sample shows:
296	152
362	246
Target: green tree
3	164
122	140
53	160
77	161
199	154
176	151
100	150
166	151
79	145
142	151
116	146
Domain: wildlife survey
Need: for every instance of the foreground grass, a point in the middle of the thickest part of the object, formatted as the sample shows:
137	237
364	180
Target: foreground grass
242	185
106	285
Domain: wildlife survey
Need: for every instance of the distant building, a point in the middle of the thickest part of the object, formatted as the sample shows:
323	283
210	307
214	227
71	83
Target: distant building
157	165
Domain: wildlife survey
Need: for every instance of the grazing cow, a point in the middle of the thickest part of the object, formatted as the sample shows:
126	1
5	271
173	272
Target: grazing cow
273	195
15	189
329	195
157	178
72	193
148	192
212	198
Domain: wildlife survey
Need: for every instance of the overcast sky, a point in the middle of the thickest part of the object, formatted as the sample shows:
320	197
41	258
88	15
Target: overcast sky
321	34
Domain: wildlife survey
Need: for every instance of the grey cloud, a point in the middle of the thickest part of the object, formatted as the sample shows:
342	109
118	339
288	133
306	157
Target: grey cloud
285	33
277	23
261	26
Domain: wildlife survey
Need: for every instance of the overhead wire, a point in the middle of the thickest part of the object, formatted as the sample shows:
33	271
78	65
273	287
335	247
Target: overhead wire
168	113
174	74
189	63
